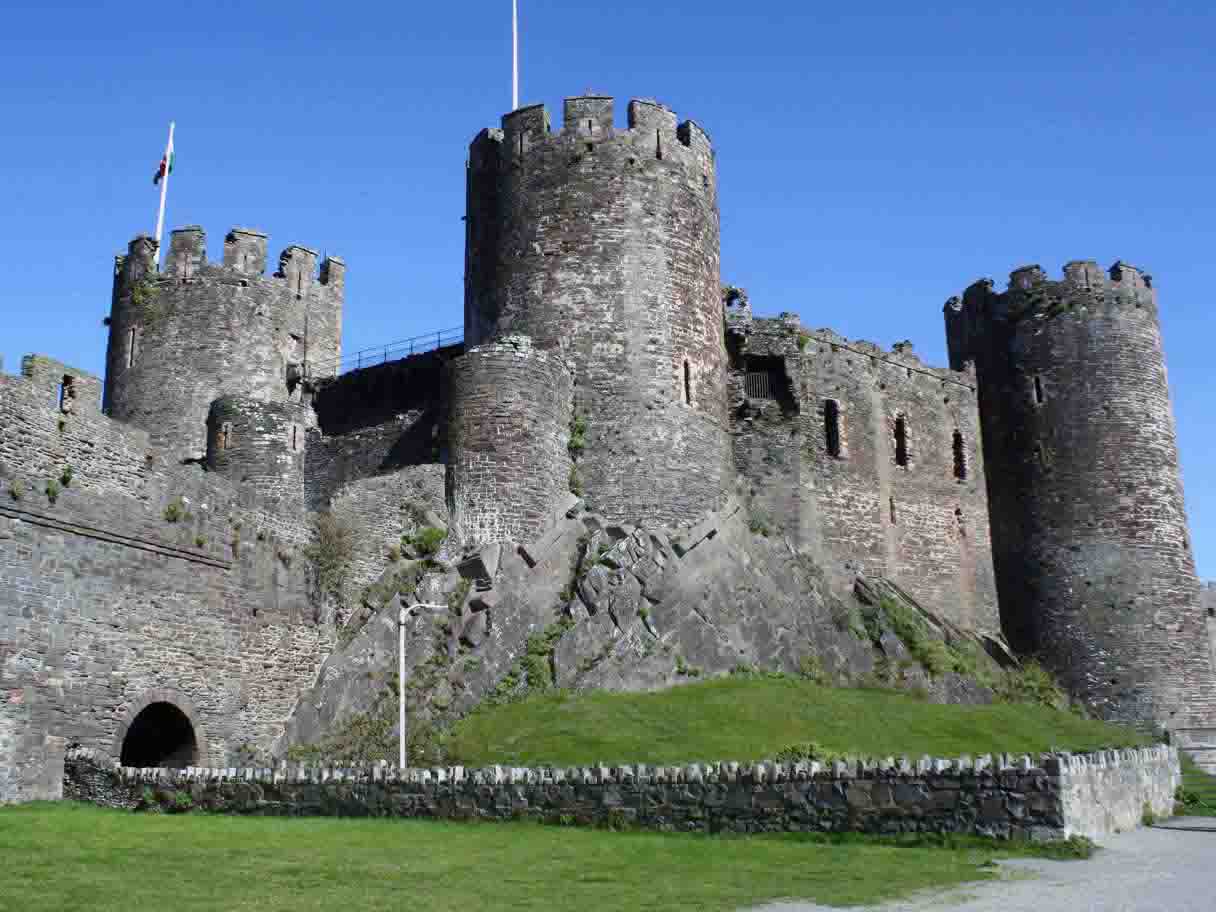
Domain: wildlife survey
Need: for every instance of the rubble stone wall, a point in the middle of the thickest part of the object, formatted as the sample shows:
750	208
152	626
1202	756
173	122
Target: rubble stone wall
123	573
1053	796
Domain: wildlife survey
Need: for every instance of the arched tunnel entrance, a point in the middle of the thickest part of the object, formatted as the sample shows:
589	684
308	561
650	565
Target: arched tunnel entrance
161	735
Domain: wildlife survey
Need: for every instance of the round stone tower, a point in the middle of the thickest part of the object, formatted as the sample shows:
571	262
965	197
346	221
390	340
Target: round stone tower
604	243
508	431
1093	558
260	444
182	337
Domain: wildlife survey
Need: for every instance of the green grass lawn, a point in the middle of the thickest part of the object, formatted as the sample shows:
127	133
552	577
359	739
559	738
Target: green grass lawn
1199	791
65	856
753	718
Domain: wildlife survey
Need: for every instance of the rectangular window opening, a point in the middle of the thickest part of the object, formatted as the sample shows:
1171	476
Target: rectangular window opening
960	456
294	432
67	393
901	441
687	383
892	506
131	347
831	427
1038	390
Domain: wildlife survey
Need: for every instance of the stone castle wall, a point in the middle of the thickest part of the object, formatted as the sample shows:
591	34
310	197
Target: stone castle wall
841	495
376	456
1052	796
1091	547
195	331
605	243
105	602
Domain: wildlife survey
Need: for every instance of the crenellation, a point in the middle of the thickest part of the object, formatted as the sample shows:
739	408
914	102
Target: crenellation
588	116
245	251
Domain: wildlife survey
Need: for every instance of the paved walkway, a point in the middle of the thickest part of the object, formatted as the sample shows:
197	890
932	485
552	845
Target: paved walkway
1167	868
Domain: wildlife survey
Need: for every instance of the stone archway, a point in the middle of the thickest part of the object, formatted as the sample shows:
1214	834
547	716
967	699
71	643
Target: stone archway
160	731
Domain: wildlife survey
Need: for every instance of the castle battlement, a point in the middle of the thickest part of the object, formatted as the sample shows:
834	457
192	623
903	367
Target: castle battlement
654	134
245	254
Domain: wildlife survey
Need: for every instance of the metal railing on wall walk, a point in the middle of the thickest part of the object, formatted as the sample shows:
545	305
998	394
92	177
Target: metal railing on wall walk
382	354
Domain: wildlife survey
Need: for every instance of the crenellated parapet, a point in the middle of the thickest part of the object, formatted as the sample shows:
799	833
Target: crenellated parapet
1093	557
197	330
1033	298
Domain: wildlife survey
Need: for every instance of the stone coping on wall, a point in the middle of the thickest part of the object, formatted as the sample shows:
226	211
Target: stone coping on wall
1052	764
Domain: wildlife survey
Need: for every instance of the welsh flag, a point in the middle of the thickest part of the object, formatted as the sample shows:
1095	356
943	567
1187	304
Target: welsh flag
166	166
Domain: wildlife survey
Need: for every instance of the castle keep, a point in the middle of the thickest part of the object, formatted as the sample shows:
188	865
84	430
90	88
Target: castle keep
164	596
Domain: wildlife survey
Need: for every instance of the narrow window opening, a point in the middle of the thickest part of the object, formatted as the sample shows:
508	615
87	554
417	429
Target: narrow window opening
131	347
687	383
960	456
294	432
901	441
1038	390
590	126
831	427
67	394
225	434
960	523
658	145
300	282
521	145
892	505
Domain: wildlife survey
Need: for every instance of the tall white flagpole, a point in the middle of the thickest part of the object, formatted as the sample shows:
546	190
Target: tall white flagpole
164	186
514	55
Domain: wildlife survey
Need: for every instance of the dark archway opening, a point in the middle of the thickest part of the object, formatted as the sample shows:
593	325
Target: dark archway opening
161	735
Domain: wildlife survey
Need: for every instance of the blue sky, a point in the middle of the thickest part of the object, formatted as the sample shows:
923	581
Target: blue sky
873	159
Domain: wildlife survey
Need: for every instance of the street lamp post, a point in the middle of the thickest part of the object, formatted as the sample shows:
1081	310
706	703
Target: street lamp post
403	615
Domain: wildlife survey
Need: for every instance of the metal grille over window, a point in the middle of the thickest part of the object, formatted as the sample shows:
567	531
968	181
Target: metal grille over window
759	385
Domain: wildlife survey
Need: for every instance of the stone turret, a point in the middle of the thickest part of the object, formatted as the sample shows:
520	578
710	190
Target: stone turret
194	331
1094	565
604	243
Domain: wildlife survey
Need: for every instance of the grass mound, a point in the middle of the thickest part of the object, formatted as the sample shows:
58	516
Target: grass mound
753	718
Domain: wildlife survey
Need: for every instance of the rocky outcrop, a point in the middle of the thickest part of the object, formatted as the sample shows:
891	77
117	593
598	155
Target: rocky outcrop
600	605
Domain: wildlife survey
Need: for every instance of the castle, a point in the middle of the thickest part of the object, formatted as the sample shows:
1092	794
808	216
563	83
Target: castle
155	527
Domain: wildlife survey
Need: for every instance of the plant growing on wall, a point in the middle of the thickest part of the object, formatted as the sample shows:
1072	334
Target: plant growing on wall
52	490
330	553
65	477
426	541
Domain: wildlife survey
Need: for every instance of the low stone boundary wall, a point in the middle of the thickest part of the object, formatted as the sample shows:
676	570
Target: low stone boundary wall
1053	796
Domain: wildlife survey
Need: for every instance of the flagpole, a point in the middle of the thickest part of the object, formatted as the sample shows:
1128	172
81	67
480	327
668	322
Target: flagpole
164	186
514	55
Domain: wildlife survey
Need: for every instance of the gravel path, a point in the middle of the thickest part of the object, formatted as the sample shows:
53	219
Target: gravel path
1167	868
